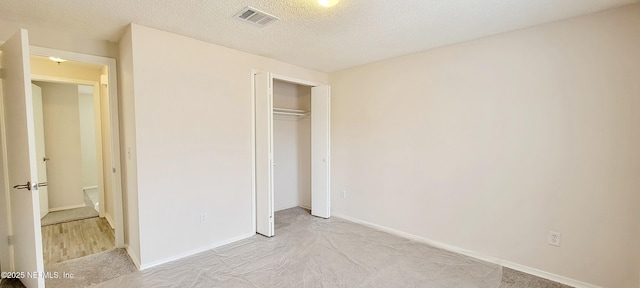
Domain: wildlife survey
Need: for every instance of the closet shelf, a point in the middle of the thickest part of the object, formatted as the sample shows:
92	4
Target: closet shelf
290	112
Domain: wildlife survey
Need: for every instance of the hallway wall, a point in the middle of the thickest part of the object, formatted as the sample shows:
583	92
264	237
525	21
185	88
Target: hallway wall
188	140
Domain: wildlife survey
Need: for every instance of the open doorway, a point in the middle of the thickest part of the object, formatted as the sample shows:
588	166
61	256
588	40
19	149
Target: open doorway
20	213
67	133
76	207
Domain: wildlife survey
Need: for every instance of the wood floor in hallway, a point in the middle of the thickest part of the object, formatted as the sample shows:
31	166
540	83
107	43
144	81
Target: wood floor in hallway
75	239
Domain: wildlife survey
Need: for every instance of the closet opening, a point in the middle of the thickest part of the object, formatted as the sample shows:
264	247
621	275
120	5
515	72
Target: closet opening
291	148
291	145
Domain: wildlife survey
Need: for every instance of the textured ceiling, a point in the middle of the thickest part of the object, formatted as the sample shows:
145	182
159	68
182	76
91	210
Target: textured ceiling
352	33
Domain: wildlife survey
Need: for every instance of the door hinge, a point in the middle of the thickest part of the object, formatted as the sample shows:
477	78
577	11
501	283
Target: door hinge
10	240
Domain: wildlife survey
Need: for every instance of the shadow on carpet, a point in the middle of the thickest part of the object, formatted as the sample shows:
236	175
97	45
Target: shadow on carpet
72	214
11	283
91	269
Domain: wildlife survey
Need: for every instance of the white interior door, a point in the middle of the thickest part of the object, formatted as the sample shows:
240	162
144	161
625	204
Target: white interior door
41	157
263	84
21	158
320	147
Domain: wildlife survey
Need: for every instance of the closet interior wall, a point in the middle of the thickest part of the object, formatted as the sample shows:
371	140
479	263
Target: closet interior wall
292	146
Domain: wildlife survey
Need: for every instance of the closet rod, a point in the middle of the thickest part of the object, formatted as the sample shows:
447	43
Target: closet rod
289	112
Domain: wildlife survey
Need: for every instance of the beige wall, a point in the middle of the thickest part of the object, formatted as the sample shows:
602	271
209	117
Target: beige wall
187	122
285	170
69	70
55	39
489	144
62	138
88	139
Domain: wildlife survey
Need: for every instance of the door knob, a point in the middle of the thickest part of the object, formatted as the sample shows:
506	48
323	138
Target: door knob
30	186
23	186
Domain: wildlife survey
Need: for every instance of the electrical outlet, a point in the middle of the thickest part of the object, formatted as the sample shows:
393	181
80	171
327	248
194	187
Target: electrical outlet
203	217
554	238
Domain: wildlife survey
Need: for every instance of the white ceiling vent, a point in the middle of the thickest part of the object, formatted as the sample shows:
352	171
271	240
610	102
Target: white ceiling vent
255	16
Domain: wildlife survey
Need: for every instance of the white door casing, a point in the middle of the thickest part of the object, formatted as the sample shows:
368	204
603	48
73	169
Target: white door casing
320	151
40	148
264	154
21	158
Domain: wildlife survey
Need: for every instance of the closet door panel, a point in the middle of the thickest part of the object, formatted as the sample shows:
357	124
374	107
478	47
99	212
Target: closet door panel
320	151
264	154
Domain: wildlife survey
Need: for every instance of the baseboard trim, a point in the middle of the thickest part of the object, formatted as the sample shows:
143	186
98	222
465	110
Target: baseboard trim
67	207
89	188
109	220
304	206
134	258
196	251
494	260
284	208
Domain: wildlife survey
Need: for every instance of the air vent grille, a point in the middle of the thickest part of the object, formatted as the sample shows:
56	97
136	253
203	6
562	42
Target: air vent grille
255	16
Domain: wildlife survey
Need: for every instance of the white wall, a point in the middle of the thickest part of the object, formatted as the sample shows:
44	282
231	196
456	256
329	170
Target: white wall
87	136
62	138
188	124
489	144
292	155
285	150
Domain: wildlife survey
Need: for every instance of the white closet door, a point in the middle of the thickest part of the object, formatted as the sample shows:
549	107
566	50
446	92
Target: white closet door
320	147
264	154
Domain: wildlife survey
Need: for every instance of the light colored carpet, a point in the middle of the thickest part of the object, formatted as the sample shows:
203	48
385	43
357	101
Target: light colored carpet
71	215
306	252
91	269
313	252
516	279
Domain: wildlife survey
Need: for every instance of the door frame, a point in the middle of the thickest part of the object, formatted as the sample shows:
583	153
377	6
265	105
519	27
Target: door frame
114	126
274	76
